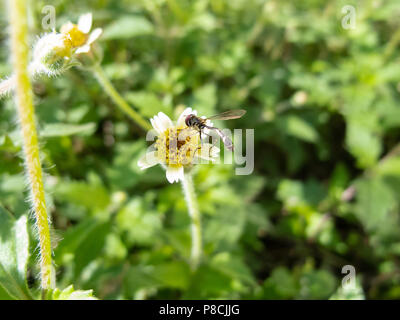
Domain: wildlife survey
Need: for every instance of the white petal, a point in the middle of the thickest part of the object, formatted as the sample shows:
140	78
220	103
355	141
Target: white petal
184	114
85	22
83	49
154	123
94	35
148	160
174	174
161	122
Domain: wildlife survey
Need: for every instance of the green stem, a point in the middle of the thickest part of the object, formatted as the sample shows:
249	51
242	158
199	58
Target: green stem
393	43
118	100
191	202
26	117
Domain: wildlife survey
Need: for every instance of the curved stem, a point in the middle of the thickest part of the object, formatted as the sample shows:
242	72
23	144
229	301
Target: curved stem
393	43
26	118
191	202
118	100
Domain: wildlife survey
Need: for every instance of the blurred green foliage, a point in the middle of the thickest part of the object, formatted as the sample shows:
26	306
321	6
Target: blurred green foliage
324	103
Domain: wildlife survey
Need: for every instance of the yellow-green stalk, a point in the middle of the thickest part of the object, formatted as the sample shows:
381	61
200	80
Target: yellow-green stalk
118	100
26	119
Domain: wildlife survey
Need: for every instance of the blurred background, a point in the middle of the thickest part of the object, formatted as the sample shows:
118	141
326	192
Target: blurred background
323	100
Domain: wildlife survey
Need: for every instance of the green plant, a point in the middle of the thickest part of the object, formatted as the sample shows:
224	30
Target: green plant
323	101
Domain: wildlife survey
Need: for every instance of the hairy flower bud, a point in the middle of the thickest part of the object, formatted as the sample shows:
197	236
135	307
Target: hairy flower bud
51	54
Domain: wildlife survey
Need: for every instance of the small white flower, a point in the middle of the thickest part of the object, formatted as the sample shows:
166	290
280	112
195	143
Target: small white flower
79	34
177	146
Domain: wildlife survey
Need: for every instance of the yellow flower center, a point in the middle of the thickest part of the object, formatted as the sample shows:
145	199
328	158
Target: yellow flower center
177	146
65	49
77	37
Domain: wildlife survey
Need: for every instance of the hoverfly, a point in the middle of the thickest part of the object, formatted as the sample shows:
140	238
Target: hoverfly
199	124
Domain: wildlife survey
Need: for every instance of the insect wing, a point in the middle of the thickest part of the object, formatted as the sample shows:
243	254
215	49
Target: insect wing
227	115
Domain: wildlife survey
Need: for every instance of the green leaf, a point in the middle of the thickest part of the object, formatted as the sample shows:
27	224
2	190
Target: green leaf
363	144
82	243
233	267
300	194
4	295
96	195
70	294
139	224
66	129
232	230
389	167
174	274
281	284
298	128
208	282
317	284
128	27
375	206
6	144
205	99
148	103
14	255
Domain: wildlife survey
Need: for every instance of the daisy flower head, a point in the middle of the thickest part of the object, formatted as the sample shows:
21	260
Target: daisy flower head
79	34
54	52
177	147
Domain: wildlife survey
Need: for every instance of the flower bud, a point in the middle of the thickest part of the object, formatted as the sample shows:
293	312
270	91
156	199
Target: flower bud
52	54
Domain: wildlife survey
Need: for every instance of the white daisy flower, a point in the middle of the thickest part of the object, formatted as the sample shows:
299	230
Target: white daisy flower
177	147
79	34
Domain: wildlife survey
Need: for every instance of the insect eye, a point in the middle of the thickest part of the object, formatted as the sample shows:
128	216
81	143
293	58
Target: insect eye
188	120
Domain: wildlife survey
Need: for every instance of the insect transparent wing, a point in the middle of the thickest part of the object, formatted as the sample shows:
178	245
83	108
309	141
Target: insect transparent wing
227	115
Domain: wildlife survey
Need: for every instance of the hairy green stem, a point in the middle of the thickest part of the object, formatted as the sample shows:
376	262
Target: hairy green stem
191	202
26	118
118	100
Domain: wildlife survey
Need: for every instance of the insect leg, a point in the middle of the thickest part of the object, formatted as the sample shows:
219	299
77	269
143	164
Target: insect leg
209	151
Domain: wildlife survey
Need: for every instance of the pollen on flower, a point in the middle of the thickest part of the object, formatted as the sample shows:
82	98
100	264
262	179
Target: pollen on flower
175	148
65	49
77	37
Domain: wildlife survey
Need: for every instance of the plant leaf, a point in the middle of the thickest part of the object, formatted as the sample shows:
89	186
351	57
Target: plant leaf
70	294
66	129
14	254
128	27
84	242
